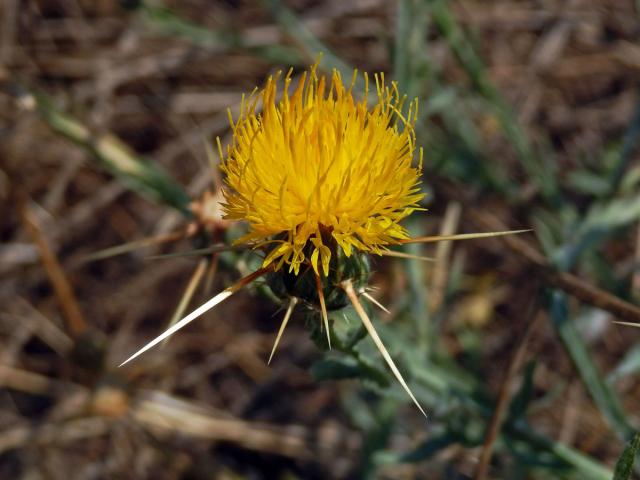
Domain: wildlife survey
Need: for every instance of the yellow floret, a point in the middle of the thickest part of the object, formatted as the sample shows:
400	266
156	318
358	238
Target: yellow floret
318	165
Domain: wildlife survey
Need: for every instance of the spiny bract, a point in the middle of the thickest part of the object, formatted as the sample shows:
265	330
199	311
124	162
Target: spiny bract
319	167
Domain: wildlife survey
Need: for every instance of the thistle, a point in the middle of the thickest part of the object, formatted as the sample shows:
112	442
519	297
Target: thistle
323	181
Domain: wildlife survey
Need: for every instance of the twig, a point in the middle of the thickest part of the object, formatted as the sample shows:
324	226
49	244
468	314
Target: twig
161	412
187	295
134	245
61	286
9	29
54	433
13	345
595	296
243	353
29	382
571	416
137	173
635	279
567	282
42	326
497	418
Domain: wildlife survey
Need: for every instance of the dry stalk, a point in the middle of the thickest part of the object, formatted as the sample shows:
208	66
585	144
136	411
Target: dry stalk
497	418
61	286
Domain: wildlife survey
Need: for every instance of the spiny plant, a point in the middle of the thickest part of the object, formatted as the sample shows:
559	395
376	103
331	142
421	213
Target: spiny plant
323	180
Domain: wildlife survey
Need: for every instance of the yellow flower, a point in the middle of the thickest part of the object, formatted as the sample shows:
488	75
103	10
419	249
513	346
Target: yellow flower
318	171
320	168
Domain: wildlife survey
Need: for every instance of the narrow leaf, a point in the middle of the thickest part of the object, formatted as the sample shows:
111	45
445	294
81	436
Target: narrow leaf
604	397
219	298
624	467
348	287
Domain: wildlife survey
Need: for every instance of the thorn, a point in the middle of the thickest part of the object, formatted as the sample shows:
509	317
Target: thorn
204	251
219	298
283	325
74	319
393	253
187	295
462	236
375	302
628	324
131	246
348	287
323	308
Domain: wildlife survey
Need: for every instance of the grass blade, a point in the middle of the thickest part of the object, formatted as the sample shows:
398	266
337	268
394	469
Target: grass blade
166	22
134	245
603	396
624	467
409	63
543	174
137	173
309	42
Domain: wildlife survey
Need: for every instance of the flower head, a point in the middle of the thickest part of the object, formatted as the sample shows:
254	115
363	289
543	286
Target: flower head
319	168
321	178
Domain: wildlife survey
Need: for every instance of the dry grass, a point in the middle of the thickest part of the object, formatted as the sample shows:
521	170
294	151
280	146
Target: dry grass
206	405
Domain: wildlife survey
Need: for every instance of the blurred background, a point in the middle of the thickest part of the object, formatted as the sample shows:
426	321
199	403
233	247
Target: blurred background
529	118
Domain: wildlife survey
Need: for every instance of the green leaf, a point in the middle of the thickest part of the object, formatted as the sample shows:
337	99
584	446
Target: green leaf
624	467
614	214
629	365
597	226
528	455
588	182
523	398
335	369
346	368
377	437
631	181
425	450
